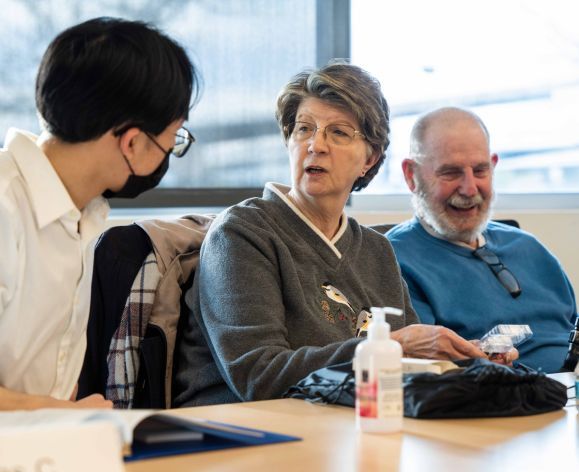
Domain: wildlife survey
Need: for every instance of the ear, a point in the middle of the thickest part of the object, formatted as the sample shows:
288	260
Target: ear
494	159
370	162
128	141
409	169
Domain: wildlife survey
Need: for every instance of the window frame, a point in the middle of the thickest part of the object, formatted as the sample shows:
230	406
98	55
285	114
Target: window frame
333	30
332	41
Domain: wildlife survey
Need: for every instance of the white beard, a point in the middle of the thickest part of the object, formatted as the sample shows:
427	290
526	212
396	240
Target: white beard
435	216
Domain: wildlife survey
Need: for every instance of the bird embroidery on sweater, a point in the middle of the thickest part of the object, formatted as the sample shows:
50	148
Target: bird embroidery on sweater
334	294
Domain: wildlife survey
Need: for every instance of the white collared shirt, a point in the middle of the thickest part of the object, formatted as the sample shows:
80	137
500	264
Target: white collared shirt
46	260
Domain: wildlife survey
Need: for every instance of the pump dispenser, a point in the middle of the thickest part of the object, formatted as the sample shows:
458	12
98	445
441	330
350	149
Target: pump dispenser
378	366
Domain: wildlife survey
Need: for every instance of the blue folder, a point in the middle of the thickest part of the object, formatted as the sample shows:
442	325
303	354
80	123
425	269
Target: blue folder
214	436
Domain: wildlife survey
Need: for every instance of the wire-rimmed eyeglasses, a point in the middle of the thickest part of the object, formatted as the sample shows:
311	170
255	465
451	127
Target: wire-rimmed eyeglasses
183	141
337	133
504	275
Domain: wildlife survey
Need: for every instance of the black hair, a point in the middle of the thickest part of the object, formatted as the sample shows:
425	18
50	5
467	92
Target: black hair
110	73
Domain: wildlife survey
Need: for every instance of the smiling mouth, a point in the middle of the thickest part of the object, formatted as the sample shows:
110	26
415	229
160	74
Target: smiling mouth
463	208
315	170
462	204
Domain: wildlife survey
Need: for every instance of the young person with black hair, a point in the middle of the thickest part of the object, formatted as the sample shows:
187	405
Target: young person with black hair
112	96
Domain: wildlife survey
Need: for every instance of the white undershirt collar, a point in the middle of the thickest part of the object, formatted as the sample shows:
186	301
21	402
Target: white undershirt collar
282	190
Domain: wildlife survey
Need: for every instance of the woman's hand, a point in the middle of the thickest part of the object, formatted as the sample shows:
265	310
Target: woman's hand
434	342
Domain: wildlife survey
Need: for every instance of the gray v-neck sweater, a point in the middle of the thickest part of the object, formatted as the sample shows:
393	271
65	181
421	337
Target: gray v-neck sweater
273	301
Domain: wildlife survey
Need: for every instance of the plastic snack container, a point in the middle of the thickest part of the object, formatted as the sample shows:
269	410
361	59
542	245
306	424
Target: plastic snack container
518	333
502	338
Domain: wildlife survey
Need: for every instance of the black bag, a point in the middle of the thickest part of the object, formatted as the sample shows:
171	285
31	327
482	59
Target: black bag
482	389
333	384
479	388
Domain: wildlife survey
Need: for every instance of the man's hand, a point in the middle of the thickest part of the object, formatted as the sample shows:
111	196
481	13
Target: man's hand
504	358
434	342
74	393
512	356
96	400
11	400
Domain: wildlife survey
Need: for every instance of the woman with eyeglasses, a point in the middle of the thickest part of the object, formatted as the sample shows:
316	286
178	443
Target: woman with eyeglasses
285	281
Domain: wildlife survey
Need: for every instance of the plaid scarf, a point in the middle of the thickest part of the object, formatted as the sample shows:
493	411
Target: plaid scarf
123	355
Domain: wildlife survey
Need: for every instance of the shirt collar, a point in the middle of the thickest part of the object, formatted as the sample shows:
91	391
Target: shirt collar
48	196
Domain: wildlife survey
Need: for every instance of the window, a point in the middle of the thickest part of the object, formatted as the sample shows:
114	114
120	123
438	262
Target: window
515	64
246	51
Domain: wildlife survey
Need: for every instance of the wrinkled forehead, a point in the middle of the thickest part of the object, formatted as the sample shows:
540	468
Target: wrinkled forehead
317	110
461	143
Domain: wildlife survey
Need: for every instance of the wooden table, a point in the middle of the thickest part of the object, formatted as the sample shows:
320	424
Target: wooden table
547	442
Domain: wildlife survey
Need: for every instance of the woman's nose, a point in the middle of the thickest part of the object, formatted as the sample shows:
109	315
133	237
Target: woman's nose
318	142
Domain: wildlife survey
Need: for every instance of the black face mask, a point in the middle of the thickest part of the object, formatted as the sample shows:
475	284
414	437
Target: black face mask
137	184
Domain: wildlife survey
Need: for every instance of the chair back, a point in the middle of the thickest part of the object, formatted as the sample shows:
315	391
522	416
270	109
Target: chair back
118	257
385	227
131	342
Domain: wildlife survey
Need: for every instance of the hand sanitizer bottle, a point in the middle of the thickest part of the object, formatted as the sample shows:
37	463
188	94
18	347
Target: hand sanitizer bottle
378	366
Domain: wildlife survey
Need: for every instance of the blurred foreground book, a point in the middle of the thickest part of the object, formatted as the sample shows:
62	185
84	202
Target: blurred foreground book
144	433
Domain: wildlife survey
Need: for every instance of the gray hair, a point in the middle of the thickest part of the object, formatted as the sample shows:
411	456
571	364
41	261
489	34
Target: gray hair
447	115
347	87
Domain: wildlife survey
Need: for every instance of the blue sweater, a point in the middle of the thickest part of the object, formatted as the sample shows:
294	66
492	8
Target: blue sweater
451	287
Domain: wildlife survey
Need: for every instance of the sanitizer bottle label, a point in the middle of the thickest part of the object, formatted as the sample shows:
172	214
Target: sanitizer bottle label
389	393
380	397
366	393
